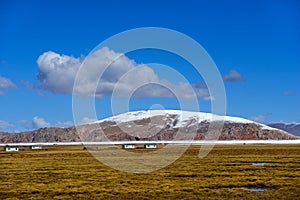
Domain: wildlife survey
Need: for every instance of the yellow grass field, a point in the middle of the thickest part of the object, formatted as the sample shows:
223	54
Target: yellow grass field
73	173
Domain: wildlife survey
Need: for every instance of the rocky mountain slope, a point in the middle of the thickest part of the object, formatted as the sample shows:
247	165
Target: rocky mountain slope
290	128
154	125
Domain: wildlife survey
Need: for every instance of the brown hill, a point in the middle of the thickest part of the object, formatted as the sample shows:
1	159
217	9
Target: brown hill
162	125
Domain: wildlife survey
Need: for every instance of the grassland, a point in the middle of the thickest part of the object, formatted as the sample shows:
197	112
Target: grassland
73	173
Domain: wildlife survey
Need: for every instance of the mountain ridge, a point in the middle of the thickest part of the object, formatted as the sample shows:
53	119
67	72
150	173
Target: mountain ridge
154	125
293	128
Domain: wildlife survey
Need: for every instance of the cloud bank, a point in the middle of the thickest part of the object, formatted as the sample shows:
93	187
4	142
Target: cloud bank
39	122
57	74
36	123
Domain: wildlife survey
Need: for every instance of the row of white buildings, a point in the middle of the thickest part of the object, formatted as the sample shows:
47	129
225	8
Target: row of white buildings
15	148
38	147
132	146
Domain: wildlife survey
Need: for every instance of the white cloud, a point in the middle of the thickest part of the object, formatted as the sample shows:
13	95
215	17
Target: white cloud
39	122
5	125
35	123
57	74
65	124
233	76
5	83
259	118
87	120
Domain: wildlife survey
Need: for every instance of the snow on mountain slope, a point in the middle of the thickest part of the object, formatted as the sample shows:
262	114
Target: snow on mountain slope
183	117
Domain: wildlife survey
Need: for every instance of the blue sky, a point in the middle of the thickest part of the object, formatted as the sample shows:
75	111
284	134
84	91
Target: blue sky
255	44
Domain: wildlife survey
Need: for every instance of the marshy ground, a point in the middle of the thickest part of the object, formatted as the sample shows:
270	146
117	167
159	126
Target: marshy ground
227	172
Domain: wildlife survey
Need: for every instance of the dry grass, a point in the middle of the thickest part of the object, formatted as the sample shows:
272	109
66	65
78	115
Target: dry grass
73	173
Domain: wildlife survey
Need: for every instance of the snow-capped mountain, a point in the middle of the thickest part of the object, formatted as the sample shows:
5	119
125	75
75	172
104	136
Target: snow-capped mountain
156	125
183	117
176	124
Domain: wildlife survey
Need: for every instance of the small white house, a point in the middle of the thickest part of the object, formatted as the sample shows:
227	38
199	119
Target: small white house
11	149
150	146
36	147
128	146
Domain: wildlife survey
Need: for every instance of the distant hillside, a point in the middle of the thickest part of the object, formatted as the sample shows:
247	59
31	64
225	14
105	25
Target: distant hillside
290	128
151	125
2	134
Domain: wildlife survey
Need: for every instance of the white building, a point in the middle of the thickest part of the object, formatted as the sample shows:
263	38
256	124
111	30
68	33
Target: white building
11	148
128	146
36	147
150	146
